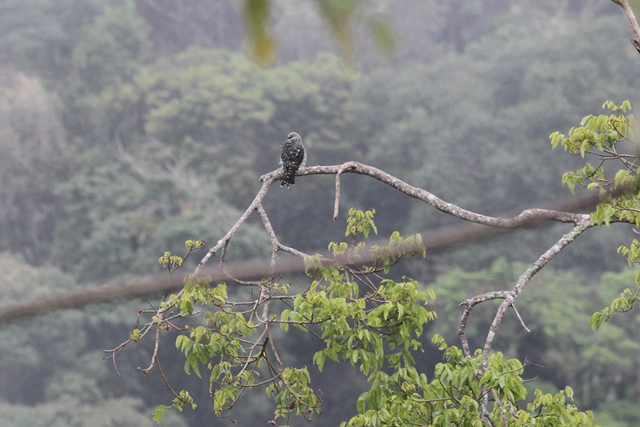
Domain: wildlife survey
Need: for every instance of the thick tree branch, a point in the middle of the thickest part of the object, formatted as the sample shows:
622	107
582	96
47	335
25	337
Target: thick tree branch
524	217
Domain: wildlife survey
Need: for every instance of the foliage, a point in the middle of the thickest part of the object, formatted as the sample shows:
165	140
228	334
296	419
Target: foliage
364	318
602	137
609	139
406	397
625	302
556	308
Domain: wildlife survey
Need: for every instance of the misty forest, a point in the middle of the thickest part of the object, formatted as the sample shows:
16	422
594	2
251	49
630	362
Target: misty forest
462	145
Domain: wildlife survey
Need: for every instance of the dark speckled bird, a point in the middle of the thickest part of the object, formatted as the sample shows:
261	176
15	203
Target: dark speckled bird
292	157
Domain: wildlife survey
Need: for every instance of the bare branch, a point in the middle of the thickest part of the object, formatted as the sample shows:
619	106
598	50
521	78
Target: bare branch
525	277
470	302
632	21
154	357
243	218
336	204
461	331
525	216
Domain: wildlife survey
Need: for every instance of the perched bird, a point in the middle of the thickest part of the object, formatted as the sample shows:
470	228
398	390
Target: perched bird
292	157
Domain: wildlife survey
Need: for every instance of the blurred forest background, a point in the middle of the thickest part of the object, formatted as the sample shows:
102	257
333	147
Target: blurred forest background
128	127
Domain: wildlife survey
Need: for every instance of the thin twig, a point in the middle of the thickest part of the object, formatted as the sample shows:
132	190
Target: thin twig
154	357
336	203
520	318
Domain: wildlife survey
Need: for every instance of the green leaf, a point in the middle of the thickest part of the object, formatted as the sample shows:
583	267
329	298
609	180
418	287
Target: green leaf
360	404
620	176
159	413
374	399
584	146
592	185
354	357
192	362
331	354
319	359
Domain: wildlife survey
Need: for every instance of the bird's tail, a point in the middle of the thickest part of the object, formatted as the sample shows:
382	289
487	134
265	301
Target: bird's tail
289	179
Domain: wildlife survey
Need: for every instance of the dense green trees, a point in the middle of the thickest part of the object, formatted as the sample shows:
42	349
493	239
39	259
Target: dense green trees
33	140
129	127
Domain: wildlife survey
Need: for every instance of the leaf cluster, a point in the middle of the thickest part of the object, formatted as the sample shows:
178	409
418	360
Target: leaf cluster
628	299
455	393
603	137
361	316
